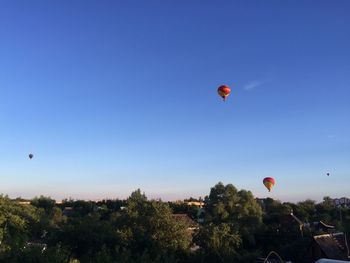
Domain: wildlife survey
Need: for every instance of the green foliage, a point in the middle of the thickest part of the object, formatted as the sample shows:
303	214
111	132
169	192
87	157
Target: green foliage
148	226
227	205
219	241
36	254
43	202
306	210
235	229
231	220
15	222
86	237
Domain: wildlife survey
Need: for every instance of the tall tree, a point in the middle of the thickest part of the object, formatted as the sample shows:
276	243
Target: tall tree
15	223
234	214
149	227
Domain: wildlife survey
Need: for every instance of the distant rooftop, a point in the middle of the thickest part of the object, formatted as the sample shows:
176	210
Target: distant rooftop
334	246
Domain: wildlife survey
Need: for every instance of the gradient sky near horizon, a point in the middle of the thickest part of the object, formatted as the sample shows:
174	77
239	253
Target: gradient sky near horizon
111	96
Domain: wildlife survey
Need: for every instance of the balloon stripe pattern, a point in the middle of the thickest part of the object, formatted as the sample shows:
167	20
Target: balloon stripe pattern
269	182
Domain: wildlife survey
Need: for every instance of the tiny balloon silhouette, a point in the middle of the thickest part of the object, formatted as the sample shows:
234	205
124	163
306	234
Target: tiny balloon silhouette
224	91
327	174
269	182
31	156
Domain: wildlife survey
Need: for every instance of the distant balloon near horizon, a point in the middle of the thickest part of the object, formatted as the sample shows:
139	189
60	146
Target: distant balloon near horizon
327	174
224	91
269	183
31	156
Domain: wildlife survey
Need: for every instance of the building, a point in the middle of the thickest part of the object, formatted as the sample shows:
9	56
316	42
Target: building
68	211
24	202
195	203
328	246
343	201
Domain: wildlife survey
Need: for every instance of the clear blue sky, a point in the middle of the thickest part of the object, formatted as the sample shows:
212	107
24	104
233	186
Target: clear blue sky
111	96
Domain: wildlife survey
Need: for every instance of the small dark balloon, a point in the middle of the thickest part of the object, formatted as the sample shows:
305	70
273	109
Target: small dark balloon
327	174
31	156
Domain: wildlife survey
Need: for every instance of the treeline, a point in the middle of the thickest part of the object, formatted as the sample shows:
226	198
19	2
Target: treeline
233	227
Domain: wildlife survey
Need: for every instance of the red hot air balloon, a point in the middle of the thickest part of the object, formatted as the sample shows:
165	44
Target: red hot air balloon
224	91
269	182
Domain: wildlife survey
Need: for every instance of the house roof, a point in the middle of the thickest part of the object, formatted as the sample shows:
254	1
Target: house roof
195	203
326	226
333	245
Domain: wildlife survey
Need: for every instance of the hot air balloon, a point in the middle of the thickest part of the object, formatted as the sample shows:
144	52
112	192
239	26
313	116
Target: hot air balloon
327	174
224	91
31	156
269	182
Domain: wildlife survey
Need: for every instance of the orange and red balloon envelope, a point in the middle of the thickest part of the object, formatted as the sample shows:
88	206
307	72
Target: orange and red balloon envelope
224	91
269	182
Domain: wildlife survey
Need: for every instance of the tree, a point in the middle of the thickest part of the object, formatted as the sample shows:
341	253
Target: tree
43	202
148	227
50	216
227	205
220	242
306	210
35	254
15	222
87	237
233	214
